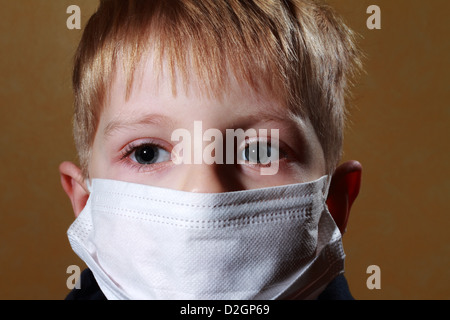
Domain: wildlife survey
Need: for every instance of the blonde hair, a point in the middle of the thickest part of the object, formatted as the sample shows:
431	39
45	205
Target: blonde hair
300	50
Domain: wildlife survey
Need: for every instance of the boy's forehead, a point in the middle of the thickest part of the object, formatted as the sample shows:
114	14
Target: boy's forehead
154	90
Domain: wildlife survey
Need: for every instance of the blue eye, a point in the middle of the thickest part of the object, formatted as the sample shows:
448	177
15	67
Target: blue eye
149	154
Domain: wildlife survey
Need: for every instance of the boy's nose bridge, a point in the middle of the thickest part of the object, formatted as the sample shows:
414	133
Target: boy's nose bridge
204	178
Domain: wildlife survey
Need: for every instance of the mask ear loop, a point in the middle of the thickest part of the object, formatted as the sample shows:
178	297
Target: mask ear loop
88	184
326	187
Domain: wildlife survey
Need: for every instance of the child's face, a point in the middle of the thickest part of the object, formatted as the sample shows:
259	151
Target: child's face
133	140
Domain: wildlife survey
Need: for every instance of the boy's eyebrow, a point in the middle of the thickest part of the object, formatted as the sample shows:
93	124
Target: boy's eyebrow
148	119
165	121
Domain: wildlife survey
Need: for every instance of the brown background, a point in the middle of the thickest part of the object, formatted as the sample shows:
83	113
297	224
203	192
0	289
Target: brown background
399	131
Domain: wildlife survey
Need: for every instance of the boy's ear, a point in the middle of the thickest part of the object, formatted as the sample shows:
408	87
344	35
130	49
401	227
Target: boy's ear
73	184
344	189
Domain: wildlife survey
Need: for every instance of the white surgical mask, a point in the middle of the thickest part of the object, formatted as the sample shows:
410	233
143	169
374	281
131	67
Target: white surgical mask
145	242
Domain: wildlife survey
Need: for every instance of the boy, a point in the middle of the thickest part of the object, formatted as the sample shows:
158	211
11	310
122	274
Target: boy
150	226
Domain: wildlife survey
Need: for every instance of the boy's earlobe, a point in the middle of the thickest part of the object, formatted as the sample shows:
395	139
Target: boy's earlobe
344	189
73	184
